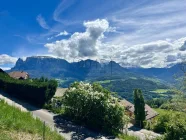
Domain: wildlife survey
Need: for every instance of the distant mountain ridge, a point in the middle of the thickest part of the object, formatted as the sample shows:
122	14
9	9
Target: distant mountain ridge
166	74
50	67
60	68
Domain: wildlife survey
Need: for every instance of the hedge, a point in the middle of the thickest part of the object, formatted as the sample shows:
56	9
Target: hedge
35	91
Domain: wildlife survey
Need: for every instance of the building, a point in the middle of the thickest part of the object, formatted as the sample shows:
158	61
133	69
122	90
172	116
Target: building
19	75
150	113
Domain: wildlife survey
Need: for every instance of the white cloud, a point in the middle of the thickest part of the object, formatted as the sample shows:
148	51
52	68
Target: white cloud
183	47
64	33
42	22
64	5
81	44
92	44
161	53
5	68
6	59
147	22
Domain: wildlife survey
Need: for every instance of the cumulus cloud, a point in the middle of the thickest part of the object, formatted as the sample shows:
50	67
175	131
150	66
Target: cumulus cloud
88	44
42	22
6	59
160	53
83	44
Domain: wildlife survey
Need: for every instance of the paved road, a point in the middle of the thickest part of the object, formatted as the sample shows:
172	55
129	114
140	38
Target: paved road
67	129
143	134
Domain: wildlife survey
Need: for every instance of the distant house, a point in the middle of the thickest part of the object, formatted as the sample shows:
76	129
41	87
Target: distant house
150	113
19	75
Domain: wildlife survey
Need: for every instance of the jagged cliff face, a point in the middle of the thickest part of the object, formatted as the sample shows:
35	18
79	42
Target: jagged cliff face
40	63
60	68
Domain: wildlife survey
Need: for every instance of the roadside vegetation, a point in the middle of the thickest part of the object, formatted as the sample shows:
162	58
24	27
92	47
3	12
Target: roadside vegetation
36	91
94	107
126	137
15	124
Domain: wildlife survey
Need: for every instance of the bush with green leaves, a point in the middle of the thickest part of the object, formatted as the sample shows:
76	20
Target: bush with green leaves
172	124
93	106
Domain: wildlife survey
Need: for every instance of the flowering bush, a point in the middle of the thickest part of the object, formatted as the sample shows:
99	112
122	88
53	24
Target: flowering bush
94	107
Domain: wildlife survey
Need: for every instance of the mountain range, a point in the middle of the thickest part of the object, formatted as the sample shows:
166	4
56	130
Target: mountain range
110	75
38	66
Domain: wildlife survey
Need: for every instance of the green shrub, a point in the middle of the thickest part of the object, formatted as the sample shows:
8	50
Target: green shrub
94	107
176	128
172	124
161	123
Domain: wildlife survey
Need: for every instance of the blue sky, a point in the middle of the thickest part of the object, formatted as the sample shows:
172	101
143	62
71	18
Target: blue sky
134	33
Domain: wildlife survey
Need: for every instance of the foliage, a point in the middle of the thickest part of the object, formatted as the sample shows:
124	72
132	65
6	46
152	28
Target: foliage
37	91
177	104
93	106
55	105
170	123
139	107
12	119
156	102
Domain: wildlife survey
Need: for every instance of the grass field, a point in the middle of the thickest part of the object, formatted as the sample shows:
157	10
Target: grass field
163	111
160	91
15	124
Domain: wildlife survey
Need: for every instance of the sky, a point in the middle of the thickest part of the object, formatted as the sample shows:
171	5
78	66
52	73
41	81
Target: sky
140	33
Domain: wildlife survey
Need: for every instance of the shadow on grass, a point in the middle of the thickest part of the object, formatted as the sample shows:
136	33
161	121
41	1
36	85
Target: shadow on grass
78	132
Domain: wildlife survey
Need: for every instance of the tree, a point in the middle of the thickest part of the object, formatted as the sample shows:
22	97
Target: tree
139	107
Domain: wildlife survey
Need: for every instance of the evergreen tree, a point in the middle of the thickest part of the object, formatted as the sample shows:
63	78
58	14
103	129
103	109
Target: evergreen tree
136	105
139	107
